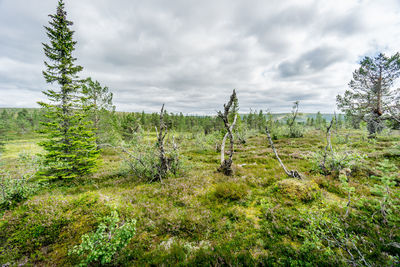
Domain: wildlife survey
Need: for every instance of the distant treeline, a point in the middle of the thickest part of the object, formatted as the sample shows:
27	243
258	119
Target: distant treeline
25	122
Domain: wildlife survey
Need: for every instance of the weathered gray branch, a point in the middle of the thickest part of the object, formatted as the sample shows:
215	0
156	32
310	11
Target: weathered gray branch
160	142
226	165
230	130
328	145
292	173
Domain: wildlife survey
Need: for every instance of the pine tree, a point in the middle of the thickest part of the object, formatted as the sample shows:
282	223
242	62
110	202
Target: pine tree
143	120
70	144
318	120
99	101
371	96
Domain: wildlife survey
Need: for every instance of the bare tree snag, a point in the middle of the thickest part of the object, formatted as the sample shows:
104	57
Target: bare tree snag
224	140
226	164
292	173
328	145
295	110
164	164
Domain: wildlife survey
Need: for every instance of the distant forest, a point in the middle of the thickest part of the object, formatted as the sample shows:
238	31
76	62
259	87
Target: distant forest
17	122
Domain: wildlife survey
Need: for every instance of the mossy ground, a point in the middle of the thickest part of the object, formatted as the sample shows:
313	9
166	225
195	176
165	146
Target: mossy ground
256	216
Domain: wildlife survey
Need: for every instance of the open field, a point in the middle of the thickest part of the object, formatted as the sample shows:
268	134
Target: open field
201	217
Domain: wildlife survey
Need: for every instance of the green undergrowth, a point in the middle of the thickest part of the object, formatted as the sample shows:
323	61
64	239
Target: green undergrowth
258	216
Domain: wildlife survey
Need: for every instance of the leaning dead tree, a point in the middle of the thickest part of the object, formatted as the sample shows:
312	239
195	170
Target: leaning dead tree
226	164
292	173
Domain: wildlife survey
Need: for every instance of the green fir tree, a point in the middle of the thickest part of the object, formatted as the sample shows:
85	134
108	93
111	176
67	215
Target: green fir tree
70	144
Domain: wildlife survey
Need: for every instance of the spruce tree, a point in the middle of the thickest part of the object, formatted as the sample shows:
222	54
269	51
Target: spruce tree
70	144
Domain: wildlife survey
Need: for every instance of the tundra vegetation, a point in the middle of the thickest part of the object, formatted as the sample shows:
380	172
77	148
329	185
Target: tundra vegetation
82	184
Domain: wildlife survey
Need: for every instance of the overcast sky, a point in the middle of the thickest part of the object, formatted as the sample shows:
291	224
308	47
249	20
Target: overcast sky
191	54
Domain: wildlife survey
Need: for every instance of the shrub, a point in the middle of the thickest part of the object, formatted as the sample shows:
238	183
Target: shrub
393	152
231	191
242	134
110	237
14	191
296	131
298	190
278	131
143	159
389	196
208	141
337	161
324	232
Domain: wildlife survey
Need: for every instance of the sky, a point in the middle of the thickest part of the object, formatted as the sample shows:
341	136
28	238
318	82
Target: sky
190	54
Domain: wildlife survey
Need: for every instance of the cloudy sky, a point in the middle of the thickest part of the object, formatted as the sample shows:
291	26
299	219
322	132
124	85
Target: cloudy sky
191	54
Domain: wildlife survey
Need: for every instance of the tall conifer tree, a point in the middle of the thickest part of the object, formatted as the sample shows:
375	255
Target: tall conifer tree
70	146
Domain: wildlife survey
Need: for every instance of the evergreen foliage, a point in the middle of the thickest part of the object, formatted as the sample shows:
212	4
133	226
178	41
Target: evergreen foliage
70	146
99	101
371	97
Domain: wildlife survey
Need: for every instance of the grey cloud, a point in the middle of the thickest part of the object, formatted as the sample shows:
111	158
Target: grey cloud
191	54
345	25
314	60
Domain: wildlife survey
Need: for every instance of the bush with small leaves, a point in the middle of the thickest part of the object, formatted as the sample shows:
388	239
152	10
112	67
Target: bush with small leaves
17	187
389	202
336	161
14	191
110	237
144	161
296	131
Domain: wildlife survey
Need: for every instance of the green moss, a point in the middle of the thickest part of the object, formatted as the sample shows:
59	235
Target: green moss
295	189
231	191
252	218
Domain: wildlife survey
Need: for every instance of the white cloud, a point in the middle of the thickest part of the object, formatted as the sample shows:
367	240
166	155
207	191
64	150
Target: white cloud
191	54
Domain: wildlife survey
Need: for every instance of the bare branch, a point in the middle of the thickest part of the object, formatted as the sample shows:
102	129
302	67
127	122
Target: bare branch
292	173
226	164
328	145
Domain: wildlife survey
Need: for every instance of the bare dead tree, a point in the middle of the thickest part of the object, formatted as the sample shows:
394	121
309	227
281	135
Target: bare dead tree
328	145
226	164
294	131
292	173
295	110
145	163
164	162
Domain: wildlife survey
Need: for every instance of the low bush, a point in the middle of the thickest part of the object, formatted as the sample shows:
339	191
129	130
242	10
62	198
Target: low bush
110	237
295	189
231	191
144	162
336	161
389	201
14	191
296	131
208	141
